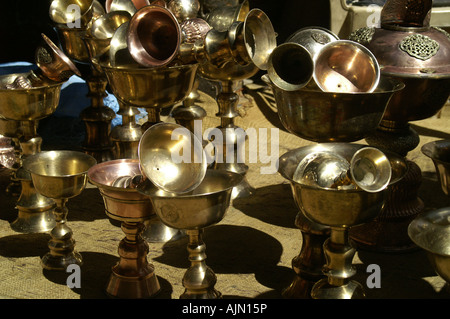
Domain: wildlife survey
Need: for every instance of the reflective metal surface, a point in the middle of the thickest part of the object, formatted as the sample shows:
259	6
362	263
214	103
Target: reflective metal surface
204	206
439	152
72	42
119	55
133	276
221	17
172	157
346	66
184	9
53	62
431	232
153	36
60	175
151	87
290	66
71	12
333	117
340	209
370	169
312	38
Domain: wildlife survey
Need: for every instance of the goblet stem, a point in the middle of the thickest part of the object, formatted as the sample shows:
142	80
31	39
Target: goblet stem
133	276
227	101
153	117
199	279
338	269
126	136
308	264
97	118
62	245
35	212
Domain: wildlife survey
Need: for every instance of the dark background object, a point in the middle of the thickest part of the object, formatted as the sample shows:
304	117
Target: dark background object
23	21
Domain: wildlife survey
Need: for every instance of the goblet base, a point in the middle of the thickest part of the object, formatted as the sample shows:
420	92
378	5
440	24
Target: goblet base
207	294
133	287
351	290
33	222
60	262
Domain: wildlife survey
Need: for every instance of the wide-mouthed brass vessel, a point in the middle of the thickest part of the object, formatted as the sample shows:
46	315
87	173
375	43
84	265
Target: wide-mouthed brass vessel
204	206
339	208
60	175
439	152
133	276
25	107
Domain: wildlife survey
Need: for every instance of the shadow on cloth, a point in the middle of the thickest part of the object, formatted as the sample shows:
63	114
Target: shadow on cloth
88	206
24	245
272	204
234	249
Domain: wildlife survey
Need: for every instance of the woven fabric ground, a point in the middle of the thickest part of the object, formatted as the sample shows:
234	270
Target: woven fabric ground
250	250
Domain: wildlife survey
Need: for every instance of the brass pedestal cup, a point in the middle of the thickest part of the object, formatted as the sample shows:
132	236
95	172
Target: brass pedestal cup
26	106
60	175
193	211
152	89
338	206
439	152
133	276
311	114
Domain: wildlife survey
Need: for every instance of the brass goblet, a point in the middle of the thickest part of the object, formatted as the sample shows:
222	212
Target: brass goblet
152	89
60	175
26	106
312	114
339	207
193	211
133	276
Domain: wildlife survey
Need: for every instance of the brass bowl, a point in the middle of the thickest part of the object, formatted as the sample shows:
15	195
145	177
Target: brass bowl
439	153
59	174
72	43
321	116
204	206
28	104
151	87
157	151
431	232
121	202
332	206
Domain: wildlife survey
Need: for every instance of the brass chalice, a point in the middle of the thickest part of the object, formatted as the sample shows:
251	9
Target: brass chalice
25	107
193	211
335	201
60	175
325	117
133	276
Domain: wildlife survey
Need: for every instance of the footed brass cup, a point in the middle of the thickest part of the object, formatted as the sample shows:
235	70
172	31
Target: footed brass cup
60	175
204	206
25	107
133	276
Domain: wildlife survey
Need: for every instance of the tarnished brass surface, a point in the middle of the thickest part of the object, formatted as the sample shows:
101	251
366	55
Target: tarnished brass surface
346	66
53	62
30	104
60	175
172	157
439	152
221	17
151	87
333	117
431	232
184	9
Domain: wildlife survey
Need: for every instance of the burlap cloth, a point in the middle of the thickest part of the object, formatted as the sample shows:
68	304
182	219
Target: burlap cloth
250	250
